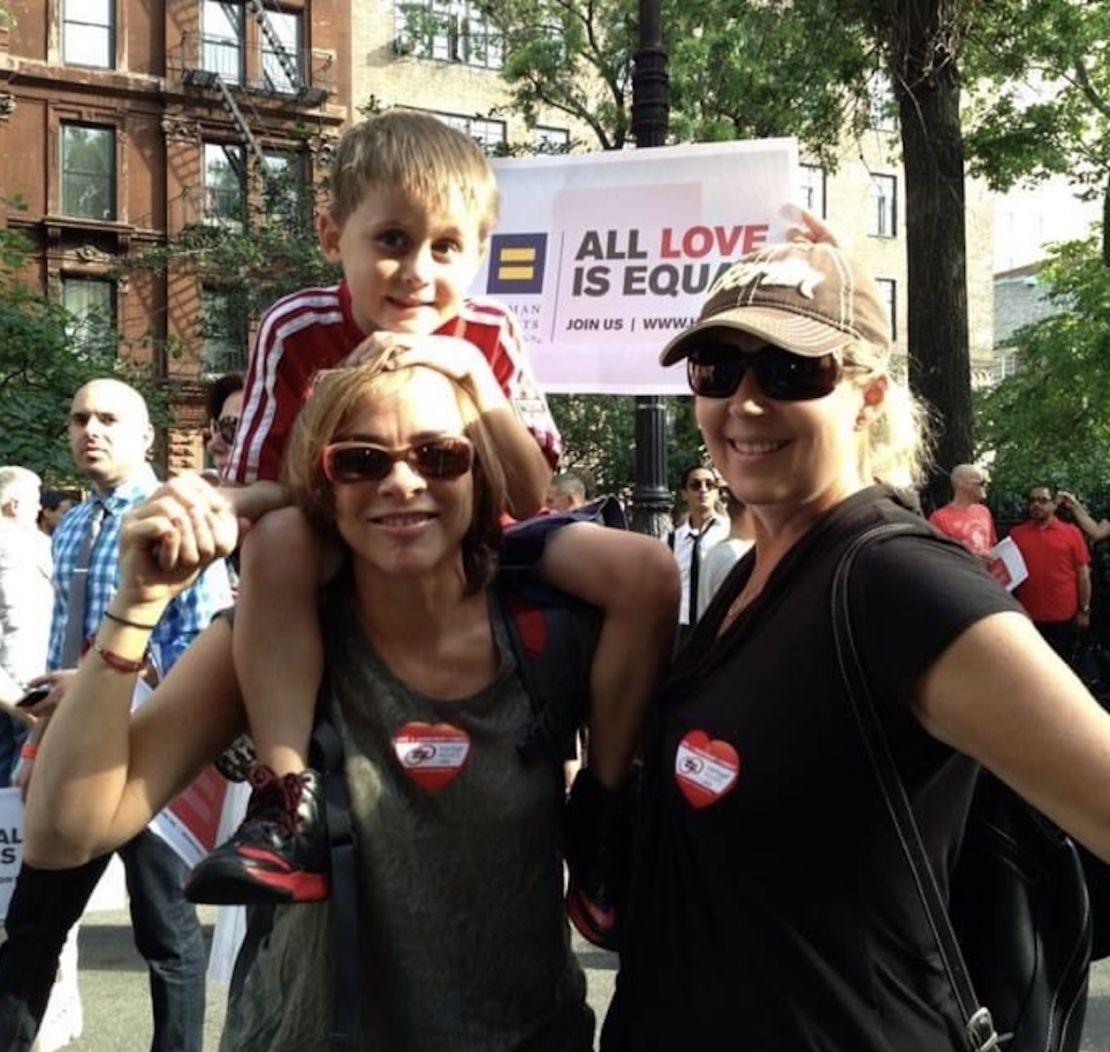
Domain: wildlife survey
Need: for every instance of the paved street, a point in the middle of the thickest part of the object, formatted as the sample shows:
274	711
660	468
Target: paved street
117	1014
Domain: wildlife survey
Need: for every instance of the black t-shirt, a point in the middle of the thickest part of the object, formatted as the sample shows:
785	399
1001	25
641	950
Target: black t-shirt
771	908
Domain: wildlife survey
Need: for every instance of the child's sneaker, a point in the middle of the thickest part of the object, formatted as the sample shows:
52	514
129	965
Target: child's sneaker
279	853
594	828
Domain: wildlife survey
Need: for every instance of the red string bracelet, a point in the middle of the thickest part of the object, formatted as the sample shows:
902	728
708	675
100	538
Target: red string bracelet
29	751
117	663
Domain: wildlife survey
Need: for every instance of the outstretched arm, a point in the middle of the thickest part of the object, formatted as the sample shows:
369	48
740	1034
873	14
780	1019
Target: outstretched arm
1001	695
102	775
1097	531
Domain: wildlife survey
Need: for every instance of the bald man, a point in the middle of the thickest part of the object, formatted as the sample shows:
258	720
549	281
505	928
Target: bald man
110	437
966	518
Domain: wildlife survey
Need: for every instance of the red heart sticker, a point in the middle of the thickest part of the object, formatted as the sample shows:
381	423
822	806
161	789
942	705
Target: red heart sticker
432	755
705	769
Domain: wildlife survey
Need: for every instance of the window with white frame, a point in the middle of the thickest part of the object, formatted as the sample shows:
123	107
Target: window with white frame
223	335
225	183
882	212
883	107
550	140
88	171
88	33
451	30
812	182
1009	365
888	290
489	134
92	304
287	28
222	32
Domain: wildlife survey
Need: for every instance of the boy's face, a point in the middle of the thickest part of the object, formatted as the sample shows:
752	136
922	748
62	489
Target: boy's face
407	264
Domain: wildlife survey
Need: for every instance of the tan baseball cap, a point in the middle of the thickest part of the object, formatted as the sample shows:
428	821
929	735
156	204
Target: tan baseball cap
809	298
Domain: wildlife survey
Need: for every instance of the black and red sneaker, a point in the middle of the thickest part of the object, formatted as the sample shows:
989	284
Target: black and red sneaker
595	841
280	852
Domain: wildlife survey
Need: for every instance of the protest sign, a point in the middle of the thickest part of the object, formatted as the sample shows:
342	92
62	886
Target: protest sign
603	257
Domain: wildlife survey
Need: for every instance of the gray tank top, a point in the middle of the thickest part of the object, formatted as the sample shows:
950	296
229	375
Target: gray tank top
464	941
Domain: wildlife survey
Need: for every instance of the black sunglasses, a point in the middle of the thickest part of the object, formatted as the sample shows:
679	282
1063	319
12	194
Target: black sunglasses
449	457
715	369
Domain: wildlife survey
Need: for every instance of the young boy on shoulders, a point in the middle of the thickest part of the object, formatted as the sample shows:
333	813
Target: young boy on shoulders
413	204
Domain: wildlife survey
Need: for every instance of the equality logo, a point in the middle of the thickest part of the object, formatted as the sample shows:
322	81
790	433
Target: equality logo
516	263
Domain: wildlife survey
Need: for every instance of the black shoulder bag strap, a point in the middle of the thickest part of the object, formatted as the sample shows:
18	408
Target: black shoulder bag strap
979	1030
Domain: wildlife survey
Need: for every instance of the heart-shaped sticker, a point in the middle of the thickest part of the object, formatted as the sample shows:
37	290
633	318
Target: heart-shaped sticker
705	769
432	755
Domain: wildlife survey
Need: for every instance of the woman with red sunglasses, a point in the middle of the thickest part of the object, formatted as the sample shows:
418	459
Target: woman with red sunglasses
771	908
461	929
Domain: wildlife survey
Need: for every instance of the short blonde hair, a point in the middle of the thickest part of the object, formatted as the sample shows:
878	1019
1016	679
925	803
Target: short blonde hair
17	482
895	448
337	395
417	154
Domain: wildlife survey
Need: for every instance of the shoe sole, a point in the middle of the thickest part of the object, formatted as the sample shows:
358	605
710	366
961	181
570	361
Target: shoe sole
236	885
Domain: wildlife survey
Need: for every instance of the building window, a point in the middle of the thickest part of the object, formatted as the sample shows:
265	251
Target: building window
1008	365
92	304
450	30
225	183
812	183
488	134
88	38
888	291
283	187
882	107
88	172
275	74
882	213
222	39
223	334
550	140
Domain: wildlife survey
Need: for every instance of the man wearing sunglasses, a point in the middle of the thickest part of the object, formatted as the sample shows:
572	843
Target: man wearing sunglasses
703	528
966	518
1057	592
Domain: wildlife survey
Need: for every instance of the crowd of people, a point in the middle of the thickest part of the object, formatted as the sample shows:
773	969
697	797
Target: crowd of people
362	475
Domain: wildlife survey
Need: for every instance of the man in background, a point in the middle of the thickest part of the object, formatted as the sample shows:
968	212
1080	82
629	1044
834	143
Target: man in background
26	600
1057	592
692	540
966	518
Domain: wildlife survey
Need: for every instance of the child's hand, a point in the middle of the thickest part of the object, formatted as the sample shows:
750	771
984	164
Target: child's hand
170	538
374	346
805	226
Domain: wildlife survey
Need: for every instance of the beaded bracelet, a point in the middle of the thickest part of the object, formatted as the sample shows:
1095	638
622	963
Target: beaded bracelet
130	624
117	663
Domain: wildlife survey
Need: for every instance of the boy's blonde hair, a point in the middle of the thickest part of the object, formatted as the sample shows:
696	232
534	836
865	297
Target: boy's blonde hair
417	154
336	398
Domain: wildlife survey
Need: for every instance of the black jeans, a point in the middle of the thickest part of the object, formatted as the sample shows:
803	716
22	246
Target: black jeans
47	903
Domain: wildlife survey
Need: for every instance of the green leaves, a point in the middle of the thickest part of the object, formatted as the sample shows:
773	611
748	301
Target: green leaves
1051	421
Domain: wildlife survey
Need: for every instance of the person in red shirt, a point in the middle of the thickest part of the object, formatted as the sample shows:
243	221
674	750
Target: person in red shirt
966	518
1057	592
413	204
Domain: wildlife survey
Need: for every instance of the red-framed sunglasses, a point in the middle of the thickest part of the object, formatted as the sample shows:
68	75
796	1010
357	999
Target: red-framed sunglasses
448	457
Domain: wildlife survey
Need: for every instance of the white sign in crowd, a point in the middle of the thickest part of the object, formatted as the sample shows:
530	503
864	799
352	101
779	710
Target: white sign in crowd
604	257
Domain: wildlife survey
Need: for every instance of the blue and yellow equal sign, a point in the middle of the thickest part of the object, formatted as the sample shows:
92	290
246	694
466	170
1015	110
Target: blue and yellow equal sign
517	263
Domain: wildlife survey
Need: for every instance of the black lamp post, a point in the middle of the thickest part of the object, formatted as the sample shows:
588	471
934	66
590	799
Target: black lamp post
651	498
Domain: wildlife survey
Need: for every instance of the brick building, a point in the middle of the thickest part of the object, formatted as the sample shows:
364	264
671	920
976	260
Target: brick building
123	121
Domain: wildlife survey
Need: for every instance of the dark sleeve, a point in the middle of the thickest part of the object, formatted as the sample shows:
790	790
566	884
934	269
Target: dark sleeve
911	597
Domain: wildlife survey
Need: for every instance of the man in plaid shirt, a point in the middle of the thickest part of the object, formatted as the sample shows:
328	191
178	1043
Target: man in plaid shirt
110	437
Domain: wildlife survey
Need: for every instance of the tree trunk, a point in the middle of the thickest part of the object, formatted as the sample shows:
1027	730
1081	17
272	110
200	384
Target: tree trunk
1106	225
922	35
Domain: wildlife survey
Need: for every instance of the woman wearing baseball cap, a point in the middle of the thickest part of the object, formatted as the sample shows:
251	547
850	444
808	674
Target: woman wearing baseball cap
771	906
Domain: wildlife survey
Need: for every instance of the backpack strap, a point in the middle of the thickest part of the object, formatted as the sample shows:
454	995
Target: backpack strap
979	1031
346	923
553	638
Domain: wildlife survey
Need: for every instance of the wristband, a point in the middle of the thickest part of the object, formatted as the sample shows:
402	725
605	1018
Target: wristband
117	663
29	751
1084	609
130	624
